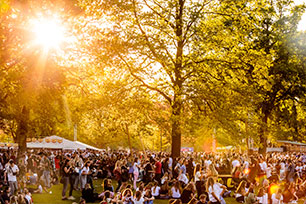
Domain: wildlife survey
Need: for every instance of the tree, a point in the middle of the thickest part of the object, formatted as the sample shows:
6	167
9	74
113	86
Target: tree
114	113
285	80
164	45
31	83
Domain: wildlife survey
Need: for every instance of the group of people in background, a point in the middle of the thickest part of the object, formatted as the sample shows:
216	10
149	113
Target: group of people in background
130	177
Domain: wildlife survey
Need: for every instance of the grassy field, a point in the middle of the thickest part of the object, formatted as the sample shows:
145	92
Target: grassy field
56	197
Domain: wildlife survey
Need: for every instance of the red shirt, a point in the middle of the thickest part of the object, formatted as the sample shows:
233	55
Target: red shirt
57	163
158	167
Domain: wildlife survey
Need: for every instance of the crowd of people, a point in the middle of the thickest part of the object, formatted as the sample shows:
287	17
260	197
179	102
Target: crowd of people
141	177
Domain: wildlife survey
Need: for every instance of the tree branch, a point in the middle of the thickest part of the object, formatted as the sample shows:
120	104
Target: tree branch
161	16
149	44
145	84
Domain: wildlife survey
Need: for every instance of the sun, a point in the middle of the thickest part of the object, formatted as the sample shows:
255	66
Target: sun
48	33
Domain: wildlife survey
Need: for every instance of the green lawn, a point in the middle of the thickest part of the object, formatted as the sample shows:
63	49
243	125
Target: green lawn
56	196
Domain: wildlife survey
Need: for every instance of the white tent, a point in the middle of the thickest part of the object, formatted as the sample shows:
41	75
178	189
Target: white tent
55	142
52	142
87	146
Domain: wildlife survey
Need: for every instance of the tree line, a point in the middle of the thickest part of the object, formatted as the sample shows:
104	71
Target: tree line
150	74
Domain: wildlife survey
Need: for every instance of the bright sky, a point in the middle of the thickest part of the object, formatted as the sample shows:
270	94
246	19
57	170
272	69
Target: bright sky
302	24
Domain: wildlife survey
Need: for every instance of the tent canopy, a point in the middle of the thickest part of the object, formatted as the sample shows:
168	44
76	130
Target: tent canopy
56	142
87	146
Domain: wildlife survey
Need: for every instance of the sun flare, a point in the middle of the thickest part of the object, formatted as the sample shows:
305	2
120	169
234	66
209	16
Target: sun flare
48	33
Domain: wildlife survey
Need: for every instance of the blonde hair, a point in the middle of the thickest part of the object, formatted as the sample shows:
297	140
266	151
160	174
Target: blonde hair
126	191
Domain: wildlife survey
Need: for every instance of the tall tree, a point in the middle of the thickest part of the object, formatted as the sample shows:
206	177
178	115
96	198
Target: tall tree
31	83
285	80
158	43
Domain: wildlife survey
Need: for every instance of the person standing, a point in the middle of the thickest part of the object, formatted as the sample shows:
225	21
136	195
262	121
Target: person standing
190	168
117	174
84	173
65	177
46	166
12	171
158	171
78	168
135	172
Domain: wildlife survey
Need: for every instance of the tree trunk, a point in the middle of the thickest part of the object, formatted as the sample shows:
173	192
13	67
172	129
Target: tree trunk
22	131
177	104
128	134
262	135
176	132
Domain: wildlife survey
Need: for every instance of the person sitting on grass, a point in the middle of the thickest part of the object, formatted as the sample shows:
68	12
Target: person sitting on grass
21	198
138	199
88	194
251	197
175	190
13	199
262	196
141	188
148	197
188	193
127	196
107	185
28	196
164	191
31	177
277	198
202	198
6	194
215	191
40	188
241	192
155	190
107	198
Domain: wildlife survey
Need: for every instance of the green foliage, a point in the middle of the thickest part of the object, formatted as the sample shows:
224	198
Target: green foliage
146	74
31	83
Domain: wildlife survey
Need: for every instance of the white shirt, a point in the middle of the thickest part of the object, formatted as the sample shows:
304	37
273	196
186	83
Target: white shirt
135	168
235	163
183	178
237	195
85	170
156	192
175	193
29	198
263	199
283	166
207	163
275	201
197	176
246	164
140	201
216	188
170	162
10	170
263	166
40	189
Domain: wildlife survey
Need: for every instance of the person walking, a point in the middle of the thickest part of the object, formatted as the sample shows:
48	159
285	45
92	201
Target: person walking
12	171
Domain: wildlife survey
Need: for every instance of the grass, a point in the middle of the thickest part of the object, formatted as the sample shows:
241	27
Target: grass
56	196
